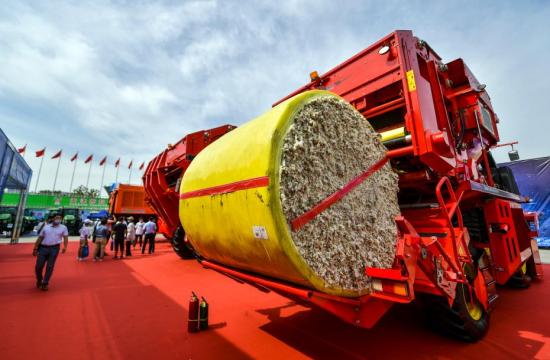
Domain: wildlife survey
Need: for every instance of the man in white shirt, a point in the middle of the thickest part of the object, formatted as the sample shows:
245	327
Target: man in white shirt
139	232
150	230
46	249
130	236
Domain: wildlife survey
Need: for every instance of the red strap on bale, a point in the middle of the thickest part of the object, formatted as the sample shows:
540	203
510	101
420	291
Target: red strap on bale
227	188
306	217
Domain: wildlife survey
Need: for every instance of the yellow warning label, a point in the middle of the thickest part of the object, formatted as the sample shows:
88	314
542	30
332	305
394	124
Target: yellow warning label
410	80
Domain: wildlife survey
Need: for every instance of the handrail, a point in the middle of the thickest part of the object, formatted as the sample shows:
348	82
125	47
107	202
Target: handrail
454	209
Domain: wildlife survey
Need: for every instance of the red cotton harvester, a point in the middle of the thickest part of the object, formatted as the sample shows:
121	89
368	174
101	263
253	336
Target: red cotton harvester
162	178
461	231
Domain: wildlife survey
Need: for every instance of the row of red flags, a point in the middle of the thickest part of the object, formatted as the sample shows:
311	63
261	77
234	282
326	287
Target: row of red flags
40	153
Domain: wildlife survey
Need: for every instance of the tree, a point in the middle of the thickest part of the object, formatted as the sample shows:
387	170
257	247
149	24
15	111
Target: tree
93	193
49	192
83	191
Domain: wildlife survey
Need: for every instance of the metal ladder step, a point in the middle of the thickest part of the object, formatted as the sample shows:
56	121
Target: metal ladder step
420	206
492	299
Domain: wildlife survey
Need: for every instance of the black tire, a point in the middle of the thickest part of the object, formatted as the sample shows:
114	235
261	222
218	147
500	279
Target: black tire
458	321
180	246
520	280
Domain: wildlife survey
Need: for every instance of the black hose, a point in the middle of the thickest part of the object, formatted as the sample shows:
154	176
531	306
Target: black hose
460	136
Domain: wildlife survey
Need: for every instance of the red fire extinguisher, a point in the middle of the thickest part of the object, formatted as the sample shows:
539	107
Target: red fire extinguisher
193	317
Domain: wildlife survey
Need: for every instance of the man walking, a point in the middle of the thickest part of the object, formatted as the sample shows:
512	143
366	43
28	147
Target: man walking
46	250
130	236
139	232
119	231
150	230
101	235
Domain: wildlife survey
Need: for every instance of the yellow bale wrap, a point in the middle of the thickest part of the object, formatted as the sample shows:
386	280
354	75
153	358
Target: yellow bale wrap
230	203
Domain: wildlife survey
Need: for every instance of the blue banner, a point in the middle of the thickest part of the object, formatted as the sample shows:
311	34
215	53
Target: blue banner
14	171
533	179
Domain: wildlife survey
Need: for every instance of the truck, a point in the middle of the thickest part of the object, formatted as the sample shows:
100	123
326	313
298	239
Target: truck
461	229
162	178
7	220
129	200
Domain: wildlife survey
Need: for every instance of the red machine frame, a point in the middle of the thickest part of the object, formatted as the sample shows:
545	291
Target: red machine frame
162	176
444	164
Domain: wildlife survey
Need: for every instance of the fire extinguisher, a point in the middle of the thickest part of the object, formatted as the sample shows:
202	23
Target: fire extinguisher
203	314
192	320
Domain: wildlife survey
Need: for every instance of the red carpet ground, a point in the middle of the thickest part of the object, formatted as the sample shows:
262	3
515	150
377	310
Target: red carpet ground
137	308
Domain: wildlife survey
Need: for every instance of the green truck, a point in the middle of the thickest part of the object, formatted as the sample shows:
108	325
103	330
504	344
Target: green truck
70	217
7	220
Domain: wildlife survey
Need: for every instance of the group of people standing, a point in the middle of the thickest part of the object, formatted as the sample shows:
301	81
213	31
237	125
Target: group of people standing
53	238
125	235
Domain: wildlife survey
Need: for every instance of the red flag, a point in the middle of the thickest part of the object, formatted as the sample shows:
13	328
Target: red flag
117	163
57	154
22	150
130	164
103	161
142	165
75	156
89	158
40	153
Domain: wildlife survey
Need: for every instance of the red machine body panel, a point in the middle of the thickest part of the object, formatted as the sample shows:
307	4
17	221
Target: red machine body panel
504	245
163	173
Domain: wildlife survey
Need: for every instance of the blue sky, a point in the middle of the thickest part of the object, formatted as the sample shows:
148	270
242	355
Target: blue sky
125	78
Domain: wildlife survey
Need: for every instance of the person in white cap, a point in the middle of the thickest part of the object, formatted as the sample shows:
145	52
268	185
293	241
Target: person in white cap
84	236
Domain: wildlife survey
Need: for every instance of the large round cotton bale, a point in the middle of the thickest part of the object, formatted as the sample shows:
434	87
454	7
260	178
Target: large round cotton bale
240	195
327	145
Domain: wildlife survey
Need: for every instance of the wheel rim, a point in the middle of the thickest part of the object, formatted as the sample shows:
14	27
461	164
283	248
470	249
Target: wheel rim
473	307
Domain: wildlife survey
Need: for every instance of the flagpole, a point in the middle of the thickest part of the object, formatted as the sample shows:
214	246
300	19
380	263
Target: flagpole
56	173
72	177
89	172
102	178
39	171
116	179
130	177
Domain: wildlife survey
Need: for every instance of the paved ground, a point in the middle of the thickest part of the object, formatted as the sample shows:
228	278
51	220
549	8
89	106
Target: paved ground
137	308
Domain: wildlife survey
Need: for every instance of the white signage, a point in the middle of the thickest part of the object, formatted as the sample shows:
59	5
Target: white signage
259	232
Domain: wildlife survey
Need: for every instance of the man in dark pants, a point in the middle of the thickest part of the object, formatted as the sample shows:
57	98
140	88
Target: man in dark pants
119	232
46	250
150	230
